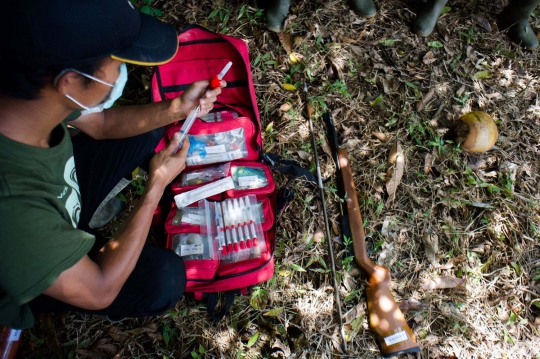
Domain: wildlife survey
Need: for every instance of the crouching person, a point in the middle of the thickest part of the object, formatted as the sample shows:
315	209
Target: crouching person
64	62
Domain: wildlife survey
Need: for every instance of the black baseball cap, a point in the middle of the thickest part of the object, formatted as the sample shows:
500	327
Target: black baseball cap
52	32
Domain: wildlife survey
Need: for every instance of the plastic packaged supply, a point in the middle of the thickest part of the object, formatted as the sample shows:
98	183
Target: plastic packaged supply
195	195
248	177
188	216
218	147
192	246
243	235
204	175
219	116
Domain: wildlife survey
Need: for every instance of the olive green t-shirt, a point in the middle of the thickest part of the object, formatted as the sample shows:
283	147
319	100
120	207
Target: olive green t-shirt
39	213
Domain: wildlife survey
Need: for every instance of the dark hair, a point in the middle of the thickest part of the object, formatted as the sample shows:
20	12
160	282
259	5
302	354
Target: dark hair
26	82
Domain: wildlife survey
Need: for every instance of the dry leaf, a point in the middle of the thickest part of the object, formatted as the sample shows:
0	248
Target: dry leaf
286	40
303	131
284	348
351	144
93	354
495	95
396	160
117	335
349	282
429	58
482	21
318	236
431	246
326	148
303	155
155	336
447	282
454	261
109	348
412	304
354	313
388	256
315	29
338	66
285	107
428	163
389	85
381	136
427	97
346	130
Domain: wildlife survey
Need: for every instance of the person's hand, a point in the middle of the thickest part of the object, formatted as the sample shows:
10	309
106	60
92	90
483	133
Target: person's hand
166	165
197	94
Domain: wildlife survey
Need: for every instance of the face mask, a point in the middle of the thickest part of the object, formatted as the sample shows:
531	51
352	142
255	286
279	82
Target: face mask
113	95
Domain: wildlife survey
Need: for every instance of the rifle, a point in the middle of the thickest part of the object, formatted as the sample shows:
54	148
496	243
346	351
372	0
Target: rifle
385	318
10	339
327	226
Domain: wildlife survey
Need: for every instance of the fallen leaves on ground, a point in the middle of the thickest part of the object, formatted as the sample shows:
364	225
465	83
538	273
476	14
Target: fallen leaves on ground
396	160
447	282
431	246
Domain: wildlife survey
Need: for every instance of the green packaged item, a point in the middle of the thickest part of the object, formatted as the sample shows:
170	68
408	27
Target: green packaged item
248	177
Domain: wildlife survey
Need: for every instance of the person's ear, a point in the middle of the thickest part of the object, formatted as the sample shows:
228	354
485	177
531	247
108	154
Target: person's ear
68	82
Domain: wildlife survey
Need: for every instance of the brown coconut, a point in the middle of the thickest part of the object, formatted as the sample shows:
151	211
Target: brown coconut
475	131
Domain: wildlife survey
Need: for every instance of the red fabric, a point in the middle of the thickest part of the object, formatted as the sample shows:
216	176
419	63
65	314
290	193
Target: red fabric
203	60
202	55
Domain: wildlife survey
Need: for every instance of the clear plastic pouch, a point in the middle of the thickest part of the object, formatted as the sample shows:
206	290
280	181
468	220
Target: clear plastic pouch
219	116
191	246
217	147
246	177
201	245
188	216
239	234
204	175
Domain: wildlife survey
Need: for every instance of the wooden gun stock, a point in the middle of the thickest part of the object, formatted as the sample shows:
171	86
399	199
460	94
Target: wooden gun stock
385	317
10	339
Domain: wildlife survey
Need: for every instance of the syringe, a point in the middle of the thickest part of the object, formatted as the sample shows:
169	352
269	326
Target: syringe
214	83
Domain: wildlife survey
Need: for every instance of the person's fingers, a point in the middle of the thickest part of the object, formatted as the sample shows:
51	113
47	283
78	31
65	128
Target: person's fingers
207	101
223	83
213	93
206	107
201	84
173	144
184	150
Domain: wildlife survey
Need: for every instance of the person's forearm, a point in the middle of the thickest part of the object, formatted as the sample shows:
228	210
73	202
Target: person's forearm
118	257
128	121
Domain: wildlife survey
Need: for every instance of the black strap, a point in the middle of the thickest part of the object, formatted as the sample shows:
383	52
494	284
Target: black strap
283	198
288	167
160	86
183	87
213	300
